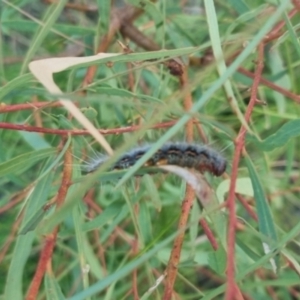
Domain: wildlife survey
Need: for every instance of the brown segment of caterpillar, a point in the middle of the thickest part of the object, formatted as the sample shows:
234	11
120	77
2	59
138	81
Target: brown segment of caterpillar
199	157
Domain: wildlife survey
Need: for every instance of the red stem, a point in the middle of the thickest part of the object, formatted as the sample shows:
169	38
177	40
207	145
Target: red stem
50	239
120	130
232	290
209	234
4	108
271	85
186	204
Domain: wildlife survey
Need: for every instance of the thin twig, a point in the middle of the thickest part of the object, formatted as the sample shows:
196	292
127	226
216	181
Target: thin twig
250	211
16	198
186	204
271	85
275	32
175	254
119	17
65	132
4	108
232	290
208	232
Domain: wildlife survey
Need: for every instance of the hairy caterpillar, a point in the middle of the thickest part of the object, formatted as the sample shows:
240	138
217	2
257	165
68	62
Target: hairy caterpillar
199	157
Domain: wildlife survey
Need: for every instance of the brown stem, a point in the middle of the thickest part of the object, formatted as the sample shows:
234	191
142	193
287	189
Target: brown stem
119	17
136	36
175	254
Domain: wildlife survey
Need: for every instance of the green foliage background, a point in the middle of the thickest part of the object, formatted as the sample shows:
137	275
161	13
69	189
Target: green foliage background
34	162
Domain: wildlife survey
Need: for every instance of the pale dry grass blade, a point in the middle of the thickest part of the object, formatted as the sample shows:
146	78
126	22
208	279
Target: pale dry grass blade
43	70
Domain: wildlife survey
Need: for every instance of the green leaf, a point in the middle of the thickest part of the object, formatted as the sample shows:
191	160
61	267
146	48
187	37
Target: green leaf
216	44
239	5
52	14
35	140
144	223
247	16
242	186
21	252
247	250
90	112
36	217
23	162
279	138
151	9
80	241
125	93
123	212
52	288
265	220
30	27
217	260
92	259
292	34
33	221
107	214
104	7
151	189
20	81
13	287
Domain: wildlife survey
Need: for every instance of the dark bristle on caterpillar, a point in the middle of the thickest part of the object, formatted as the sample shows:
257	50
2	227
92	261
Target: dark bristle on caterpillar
199	157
